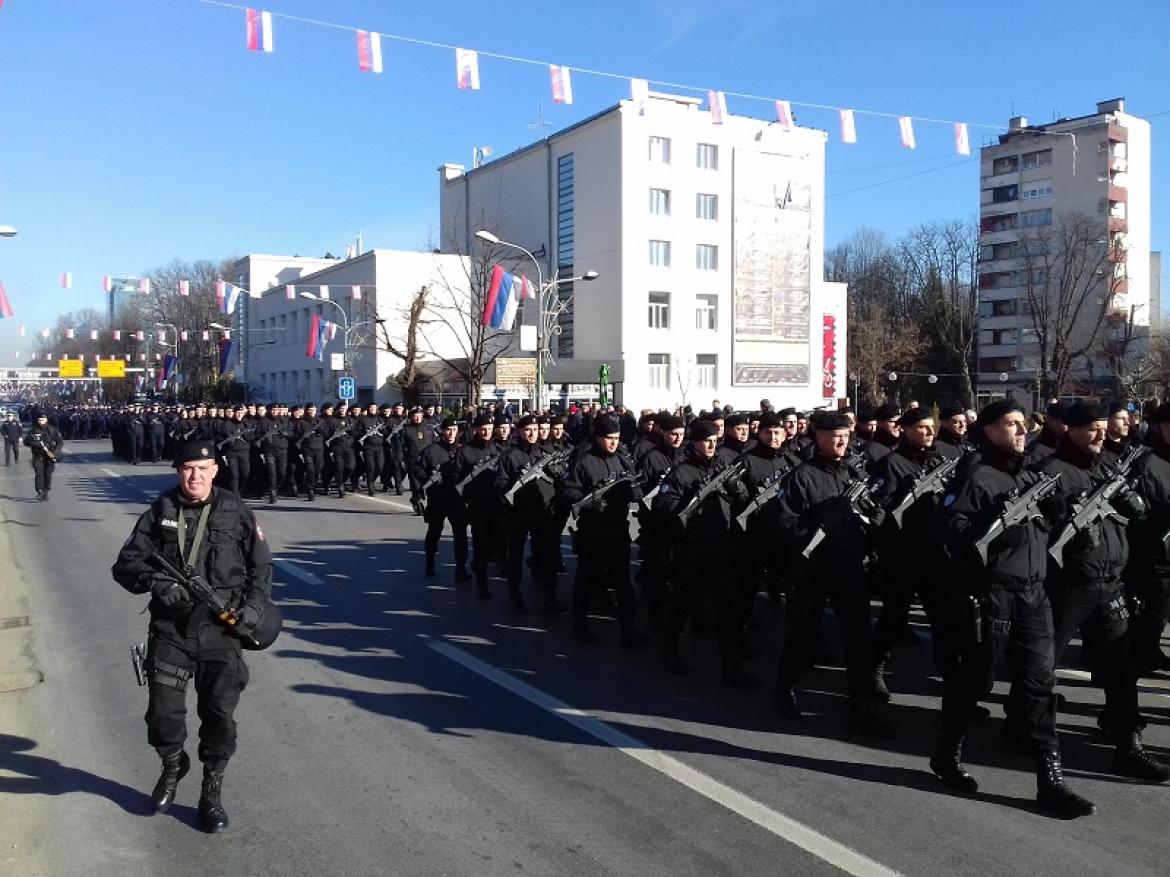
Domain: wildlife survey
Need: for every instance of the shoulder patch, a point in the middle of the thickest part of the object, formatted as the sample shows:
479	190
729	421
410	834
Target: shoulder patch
166	522
259	532
948	500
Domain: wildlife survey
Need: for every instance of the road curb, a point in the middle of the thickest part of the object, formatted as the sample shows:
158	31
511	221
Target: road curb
18	668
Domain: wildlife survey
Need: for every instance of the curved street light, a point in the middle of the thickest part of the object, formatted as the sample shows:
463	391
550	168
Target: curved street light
7	231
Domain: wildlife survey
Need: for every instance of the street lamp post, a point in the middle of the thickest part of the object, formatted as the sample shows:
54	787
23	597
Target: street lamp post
546	316
7	231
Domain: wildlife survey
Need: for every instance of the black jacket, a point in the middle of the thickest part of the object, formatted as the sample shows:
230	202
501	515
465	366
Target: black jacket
810	493
591	470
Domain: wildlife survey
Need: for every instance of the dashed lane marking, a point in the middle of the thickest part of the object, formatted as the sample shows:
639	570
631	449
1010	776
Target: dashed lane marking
296	572
809	839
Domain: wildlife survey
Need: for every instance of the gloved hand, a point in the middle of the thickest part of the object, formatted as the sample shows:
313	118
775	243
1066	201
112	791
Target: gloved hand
738	492
1053	507
1129	504
249	617
876	515
168	592
599	505
833	512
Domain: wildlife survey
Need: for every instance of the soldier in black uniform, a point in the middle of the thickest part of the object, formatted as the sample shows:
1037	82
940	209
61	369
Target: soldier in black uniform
1016	616
952	438
654	538
885	436
12	433
236	449
813	502
415	436
1048	441
370	432
1116	432
1086	589
1148	578
137	435
442	502
481	493
45	442
212	532
396	465
340	443
273	443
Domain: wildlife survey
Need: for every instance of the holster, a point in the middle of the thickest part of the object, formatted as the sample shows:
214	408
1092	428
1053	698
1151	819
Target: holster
172	675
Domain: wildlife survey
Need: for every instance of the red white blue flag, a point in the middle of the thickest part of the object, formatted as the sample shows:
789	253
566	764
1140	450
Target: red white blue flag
962	142
66	280
6	308
717	103
227	295
184	287
562	84
906	126
784	114
369	46
505	292
259	31
848	127
467	68
356	292
290	291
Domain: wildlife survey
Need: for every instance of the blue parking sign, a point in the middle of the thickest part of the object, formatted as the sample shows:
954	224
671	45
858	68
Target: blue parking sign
345	388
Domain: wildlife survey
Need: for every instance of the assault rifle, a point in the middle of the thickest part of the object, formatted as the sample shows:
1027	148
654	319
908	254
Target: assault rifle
394	430
857	492
761	499
39	442
234	437
371	432
598	493
535	471
198	588
714	484
1093	506
931	482
486	463
1020	507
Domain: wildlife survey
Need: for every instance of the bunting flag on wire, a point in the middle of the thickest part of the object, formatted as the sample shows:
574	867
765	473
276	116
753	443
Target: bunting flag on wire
259	31
290	292
784	114
906	126
369	46
206	335
962	143
162	337
330	330
108	283
69	333
323	291
848	127
184	287
117	334
639	94
66	280
93	334
44	333
717	104
6	307
183	335
139	335
144	285
562	84
467	68
356	292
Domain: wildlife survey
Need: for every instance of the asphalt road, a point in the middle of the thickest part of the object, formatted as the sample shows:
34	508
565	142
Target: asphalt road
403	726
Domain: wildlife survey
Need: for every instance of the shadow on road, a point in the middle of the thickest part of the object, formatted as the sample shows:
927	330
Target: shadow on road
37	775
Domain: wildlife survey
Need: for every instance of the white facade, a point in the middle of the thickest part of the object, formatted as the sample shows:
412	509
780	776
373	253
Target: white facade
273	356
1097	166
708	239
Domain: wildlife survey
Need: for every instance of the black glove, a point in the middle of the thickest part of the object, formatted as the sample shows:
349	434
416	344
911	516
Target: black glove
1013	537
249	617
1129	504
833	512
599	505
1053	507
738	492
168	592
876	515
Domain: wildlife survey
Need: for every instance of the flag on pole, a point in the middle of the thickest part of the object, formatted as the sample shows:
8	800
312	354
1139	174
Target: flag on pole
848	127
323	291
290	291
717	104
906	126
225	354
108	283
369	46
144	285
314	336
503	299
962	143
184	287
66	280
784	114
356	292
93	335
562	84
6	307
259	31
227	295
467	68
328	333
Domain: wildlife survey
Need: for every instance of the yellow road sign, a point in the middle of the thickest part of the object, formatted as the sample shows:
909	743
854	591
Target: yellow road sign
70	368
111	368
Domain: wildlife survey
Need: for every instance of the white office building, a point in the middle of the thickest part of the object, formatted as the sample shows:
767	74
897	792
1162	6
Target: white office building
708	240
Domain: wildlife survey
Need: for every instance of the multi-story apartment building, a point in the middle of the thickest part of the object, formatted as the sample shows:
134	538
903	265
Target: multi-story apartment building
708	239
1034	181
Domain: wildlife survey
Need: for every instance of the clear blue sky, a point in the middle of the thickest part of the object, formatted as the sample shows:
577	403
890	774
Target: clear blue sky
137	131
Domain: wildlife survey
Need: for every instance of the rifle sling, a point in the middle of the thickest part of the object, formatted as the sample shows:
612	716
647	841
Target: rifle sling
200	530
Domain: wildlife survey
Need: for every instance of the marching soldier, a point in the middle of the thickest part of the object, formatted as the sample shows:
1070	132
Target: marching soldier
369	431
45	443
1148	578
654	538
952	440
415	436
1045	444
12	434
273	444
435	475
885	435
475	472
236	449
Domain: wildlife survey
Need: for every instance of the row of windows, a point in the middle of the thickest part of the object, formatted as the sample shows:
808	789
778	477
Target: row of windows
294	326
706	255
297	384
1028	161
706	311
706	154
706	206
704	374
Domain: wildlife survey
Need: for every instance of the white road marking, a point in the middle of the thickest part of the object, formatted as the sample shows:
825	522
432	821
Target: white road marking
809	839
111	473
1088	677
296	572
397	505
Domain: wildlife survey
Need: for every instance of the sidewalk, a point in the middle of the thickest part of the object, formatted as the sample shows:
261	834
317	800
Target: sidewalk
18	669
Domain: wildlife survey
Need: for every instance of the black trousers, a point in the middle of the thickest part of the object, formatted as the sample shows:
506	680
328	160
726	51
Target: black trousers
11	452
135	445
43	472
487	539
1016	626
699	570
239	464
393	468
373	463
845	591
276	462
1149	589
215	663
524	526
437	514
603	562
343	467
154	445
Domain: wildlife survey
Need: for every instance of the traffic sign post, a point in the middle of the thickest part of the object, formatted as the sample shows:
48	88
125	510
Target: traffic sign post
345	388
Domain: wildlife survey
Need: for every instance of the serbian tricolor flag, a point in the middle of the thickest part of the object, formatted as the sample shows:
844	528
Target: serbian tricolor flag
717	102
6	308
848	127
117	334
784	114
369	45
139	335
906	126
144	285
356	292
962	143
503	299
93	334
259	31
206	335
184	287
183	335
290	291
66	280
69	333
108	283
227	295
142	357
314	337
467	68
225	354
562	84
162	337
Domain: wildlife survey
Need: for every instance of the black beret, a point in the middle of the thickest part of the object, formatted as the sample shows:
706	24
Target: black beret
949	411
543	420
995	410
416	408
1084	413
502	420
829	421
295	408
865	415
667	422
558	421
648	417
735	420
526	420
239	408
701	430
448	422
190	451
887	412
770	420
482	420
1057	410
1161	414
606	426
913	416
1117	407
785	412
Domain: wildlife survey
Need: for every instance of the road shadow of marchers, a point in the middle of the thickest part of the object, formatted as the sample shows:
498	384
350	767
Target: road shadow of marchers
37	775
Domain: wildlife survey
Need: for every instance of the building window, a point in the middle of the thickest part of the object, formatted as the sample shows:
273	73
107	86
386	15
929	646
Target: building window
706	371
706	206
565	252
660	150
1005	165
706	312
1002	194
1040	158
1037	189
707	156
660	202
660	253
1035	218
707	257
659	375
659	310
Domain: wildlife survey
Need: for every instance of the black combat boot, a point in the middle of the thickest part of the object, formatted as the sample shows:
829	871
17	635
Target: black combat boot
947	765
865	721
271	497
461	573
880	692
1053	794
671	659
786	703
1132	760
174	768
735	676
430	566
517	601
212	816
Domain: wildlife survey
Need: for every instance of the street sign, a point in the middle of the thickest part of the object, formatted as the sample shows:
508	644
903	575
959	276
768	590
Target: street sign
111	368
337	362
519	372
70	368
345	388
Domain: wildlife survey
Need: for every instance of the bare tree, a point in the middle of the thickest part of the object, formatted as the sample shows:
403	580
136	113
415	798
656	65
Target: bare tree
409	344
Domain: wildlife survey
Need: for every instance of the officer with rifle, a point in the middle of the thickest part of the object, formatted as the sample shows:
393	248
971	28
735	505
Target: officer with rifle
662	451
435	474
415	435
272	440
236	450
1148	578
197	629
477	481
44	440
370	433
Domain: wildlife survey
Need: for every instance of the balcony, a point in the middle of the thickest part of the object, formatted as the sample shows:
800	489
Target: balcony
1118	255
997	222
1118	193
1117	224
1118	134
